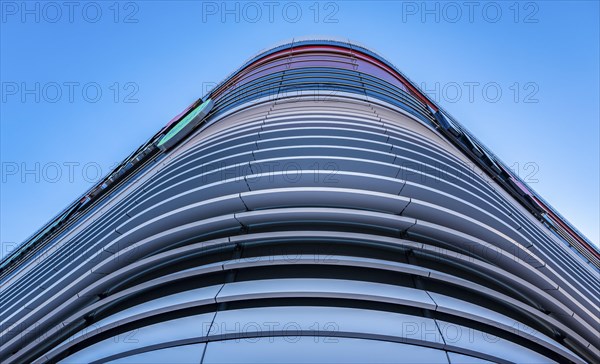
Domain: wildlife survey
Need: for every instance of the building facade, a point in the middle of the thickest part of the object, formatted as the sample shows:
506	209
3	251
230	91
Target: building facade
315	206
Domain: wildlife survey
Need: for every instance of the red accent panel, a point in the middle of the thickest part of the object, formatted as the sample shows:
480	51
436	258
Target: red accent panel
567	228
350	53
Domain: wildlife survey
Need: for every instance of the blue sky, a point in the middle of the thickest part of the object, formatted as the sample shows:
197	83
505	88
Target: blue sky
84	84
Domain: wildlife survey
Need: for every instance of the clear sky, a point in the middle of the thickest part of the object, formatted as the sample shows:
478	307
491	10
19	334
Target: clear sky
85	83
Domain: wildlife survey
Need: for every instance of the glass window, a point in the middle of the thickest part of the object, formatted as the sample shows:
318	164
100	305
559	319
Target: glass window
308	349
185	354
168	331
466	359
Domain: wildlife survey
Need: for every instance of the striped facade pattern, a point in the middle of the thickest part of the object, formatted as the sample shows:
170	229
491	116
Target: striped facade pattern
316	215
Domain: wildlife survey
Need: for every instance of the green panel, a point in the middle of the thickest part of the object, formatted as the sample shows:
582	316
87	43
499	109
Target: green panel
183	122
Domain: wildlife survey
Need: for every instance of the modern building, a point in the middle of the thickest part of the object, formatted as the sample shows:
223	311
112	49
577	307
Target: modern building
315	206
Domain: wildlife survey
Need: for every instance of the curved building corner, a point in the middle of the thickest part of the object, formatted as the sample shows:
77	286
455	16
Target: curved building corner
315	206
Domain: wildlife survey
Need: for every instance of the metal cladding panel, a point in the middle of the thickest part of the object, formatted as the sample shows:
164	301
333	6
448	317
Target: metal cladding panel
286	221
